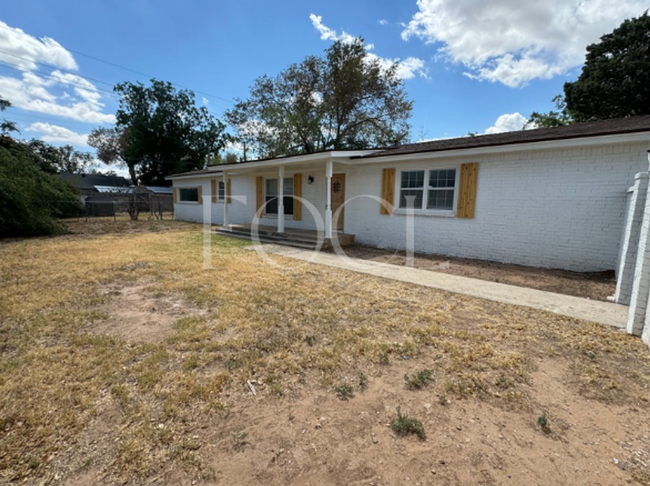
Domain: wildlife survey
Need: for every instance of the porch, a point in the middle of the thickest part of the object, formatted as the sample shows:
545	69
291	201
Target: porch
300	238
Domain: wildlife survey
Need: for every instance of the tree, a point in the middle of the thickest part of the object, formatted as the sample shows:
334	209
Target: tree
111	148
31	199
344	100
551	119
159	131
6	126
62	159
615	80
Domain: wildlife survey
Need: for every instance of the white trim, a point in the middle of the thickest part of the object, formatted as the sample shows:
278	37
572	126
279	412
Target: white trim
515	147
447	213
345	157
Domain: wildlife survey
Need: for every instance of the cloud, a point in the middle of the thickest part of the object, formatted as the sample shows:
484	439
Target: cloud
55	133
44	93
24	51
514	42
205	101
509	122
382	22
407	68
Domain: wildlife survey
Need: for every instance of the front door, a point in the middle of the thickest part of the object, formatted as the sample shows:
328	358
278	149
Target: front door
338	200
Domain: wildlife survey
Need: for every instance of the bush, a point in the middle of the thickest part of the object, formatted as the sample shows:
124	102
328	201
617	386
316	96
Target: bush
31	200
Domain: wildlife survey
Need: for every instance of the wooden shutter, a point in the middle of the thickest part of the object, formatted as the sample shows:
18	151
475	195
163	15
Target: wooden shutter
229	191
297	192
387	191
259	186
467	190
175	190
213	190
199	191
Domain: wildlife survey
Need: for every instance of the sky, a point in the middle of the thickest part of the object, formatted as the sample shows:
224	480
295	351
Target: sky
467	65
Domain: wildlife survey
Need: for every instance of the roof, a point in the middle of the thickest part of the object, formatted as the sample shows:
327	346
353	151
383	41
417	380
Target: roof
160	189
616	126
579	130
113	189
89	181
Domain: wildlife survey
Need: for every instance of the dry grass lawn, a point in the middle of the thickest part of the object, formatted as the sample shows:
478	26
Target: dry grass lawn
123	361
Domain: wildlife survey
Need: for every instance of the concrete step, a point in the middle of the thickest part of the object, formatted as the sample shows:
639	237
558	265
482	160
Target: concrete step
307	245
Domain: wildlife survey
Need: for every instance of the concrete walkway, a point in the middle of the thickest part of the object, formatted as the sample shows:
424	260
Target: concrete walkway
590	310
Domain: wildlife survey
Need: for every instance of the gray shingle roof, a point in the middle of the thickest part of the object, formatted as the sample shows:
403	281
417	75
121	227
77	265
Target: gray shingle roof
579	130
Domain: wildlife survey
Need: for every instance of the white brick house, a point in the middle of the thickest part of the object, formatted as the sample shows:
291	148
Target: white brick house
553	198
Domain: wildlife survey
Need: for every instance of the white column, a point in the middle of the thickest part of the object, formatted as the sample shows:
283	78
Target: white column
281	199
329	169
225	199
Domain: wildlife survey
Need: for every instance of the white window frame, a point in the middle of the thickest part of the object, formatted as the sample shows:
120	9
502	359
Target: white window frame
221	191
185	201
275	215
425	189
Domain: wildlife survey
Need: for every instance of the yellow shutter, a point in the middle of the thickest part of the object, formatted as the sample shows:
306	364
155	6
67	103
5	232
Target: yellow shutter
467	190
175	194
228	192
259	186
213	190
199	190
297	193
387	191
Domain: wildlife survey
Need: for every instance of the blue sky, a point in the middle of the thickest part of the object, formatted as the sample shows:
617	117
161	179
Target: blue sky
468	65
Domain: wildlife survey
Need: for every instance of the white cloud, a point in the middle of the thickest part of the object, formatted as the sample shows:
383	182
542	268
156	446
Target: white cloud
55	133
205	101
513	41
407	68
510	122
382	22
24	51
43	93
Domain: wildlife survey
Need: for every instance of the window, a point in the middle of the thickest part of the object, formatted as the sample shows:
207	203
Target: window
441	189
188	194
221	191
439	193
412	187
271	197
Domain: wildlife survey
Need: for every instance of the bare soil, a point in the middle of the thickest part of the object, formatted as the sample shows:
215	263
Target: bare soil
593	285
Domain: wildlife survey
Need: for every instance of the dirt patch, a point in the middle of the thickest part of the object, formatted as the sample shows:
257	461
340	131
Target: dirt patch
137	314
595	285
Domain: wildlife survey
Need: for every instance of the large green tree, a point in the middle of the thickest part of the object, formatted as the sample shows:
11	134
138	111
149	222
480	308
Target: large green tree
32	197
159	131
62	159
615	80
344	100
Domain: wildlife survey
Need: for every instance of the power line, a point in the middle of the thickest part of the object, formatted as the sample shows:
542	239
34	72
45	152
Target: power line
228	100
140	73
48	76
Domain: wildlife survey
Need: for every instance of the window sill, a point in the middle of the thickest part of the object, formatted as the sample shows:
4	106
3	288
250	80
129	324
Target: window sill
188	202
427	213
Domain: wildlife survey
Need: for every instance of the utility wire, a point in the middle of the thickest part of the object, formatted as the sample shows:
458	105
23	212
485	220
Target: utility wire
140	73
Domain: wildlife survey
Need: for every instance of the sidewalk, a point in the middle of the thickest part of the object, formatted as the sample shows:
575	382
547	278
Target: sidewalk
590	310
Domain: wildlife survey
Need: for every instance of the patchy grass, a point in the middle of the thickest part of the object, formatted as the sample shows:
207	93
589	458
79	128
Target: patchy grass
287	328
405	425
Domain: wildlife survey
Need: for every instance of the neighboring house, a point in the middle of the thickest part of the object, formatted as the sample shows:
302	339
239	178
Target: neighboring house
551	197
98	191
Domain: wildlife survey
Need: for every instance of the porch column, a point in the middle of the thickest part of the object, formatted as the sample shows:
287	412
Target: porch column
225	199
329	169
281	199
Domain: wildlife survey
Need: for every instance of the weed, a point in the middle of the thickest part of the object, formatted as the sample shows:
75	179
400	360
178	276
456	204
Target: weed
419	380
404	425
542	421
442	400
344	391
239	440
363	381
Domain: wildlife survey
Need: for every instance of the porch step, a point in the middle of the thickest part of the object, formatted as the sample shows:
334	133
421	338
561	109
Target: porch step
307	245
297	238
